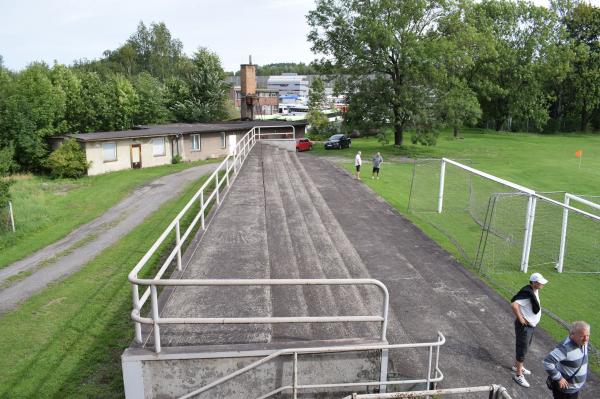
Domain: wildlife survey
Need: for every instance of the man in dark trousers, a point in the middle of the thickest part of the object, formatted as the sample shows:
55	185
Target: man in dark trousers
528	311
567	364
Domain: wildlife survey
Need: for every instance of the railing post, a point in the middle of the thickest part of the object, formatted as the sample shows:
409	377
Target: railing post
441	190
155	318
178	243
295	383
383	370
202	209
217	187
563	235
429	367
227	171
136	306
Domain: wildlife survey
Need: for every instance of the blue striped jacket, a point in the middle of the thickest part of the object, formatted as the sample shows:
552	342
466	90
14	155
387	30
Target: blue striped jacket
564	361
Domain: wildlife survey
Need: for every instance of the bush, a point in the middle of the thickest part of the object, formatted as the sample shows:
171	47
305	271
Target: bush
68	160
176	159
4	192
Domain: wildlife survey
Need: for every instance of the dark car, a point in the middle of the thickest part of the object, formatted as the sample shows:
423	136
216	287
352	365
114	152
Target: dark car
338	141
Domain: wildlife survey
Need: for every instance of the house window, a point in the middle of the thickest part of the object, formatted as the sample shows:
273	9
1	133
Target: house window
158	147
223	143
109	152
196	142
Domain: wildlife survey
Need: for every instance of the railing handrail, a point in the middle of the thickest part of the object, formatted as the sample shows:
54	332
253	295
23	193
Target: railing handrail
330	349
496	392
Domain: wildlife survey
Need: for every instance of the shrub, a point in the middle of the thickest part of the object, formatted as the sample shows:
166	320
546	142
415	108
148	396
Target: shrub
176	159
68	160
4	192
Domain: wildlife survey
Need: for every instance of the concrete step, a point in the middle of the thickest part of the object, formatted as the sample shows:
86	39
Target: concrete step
286	300
324	257
234	246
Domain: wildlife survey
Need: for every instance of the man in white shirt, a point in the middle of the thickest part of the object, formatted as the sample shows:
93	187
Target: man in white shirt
528	311
357	163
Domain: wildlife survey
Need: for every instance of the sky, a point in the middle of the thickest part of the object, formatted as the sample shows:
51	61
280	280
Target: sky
67	30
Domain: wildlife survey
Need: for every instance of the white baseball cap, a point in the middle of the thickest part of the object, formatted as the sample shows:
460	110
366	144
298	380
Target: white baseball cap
538	278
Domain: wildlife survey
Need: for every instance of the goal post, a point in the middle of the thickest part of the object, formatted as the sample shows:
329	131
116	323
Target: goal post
565	222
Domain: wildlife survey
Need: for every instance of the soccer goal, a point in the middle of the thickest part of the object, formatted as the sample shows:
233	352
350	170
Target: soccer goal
498	225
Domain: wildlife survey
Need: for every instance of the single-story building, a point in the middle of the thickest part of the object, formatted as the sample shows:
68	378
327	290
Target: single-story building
156	145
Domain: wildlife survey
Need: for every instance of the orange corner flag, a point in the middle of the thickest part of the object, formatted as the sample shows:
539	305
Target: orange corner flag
578	153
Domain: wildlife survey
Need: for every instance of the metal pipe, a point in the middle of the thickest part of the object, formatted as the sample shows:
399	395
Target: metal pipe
417	394
156	319
178	244
441	189
295	393
530	232
526	235
137	308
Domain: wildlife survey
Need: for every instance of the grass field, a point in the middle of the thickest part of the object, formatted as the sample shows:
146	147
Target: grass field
67	340
540	162
47	210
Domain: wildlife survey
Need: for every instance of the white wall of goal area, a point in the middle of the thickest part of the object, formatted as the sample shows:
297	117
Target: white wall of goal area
533	197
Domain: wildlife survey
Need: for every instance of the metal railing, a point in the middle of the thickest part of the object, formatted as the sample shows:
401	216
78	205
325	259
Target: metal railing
433	365
229	168
495	392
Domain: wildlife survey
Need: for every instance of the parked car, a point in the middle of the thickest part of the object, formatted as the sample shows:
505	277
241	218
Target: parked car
303	145
338	141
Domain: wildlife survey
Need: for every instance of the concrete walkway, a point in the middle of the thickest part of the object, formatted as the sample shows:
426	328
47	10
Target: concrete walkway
70	254
297	216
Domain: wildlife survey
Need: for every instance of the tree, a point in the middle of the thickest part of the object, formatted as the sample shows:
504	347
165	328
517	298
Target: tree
316	101
123	103
202	93
67	81
388	45
459	106
33	111
152	95
510	79
94	100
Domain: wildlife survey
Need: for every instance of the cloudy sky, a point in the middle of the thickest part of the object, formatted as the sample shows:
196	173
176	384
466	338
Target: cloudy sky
66	30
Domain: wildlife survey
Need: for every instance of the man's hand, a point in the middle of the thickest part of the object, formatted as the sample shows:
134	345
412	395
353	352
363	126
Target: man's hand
563	384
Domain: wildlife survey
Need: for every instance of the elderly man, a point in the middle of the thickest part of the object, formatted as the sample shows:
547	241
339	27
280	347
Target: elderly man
567	364
528	312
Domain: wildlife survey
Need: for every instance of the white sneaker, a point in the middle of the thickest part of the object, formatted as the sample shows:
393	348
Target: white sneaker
525	371
519	379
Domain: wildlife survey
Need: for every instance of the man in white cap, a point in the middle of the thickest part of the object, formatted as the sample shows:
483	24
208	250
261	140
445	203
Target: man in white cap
528	311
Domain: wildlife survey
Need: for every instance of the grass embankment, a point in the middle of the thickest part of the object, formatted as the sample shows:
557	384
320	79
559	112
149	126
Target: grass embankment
540	162
67	340
46	210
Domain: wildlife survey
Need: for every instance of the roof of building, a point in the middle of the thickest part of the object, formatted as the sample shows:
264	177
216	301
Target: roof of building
179	128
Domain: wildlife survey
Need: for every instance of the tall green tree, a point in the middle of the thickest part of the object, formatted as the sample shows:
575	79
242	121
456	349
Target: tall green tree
67	81
34	110
316	102
384	40
152	95
202	93
511	79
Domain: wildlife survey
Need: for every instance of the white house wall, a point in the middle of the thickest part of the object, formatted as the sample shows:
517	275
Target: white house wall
94	154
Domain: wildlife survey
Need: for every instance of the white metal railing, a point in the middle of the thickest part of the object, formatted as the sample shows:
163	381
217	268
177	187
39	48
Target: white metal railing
495	392
434	374
533	196
229	167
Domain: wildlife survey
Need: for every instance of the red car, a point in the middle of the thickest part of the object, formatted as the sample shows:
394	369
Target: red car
303	145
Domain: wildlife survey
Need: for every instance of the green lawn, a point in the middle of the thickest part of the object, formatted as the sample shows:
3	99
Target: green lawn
540	162
47	210
67	340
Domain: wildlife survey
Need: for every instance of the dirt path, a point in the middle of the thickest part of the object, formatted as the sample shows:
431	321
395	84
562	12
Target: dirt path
25	277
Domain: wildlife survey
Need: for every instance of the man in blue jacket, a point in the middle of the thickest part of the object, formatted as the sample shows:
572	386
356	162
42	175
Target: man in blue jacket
567	364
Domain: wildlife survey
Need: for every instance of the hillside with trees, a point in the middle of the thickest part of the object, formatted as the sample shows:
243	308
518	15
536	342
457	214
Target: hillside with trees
420	65
147	80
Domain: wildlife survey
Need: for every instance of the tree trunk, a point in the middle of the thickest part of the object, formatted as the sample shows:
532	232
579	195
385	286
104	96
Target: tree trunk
499	123
584	119
398	126
455	132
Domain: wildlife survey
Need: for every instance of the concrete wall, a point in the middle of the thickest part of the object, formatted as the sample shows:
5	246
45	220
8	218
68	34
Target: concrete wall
210	146
171	378
93	153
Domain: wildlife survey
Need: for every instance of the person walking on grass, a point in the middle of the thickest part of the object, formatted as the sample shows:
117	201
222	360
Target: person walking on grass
377	161
357	163
567	364
528	312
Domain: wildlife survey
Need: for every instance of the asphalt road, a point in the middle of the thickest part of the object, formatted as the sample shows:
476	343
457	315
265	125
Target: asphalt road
64	257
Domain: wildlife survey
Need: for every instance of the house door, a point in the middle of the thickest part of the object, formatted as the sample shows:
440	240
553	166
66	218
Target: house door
136	156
